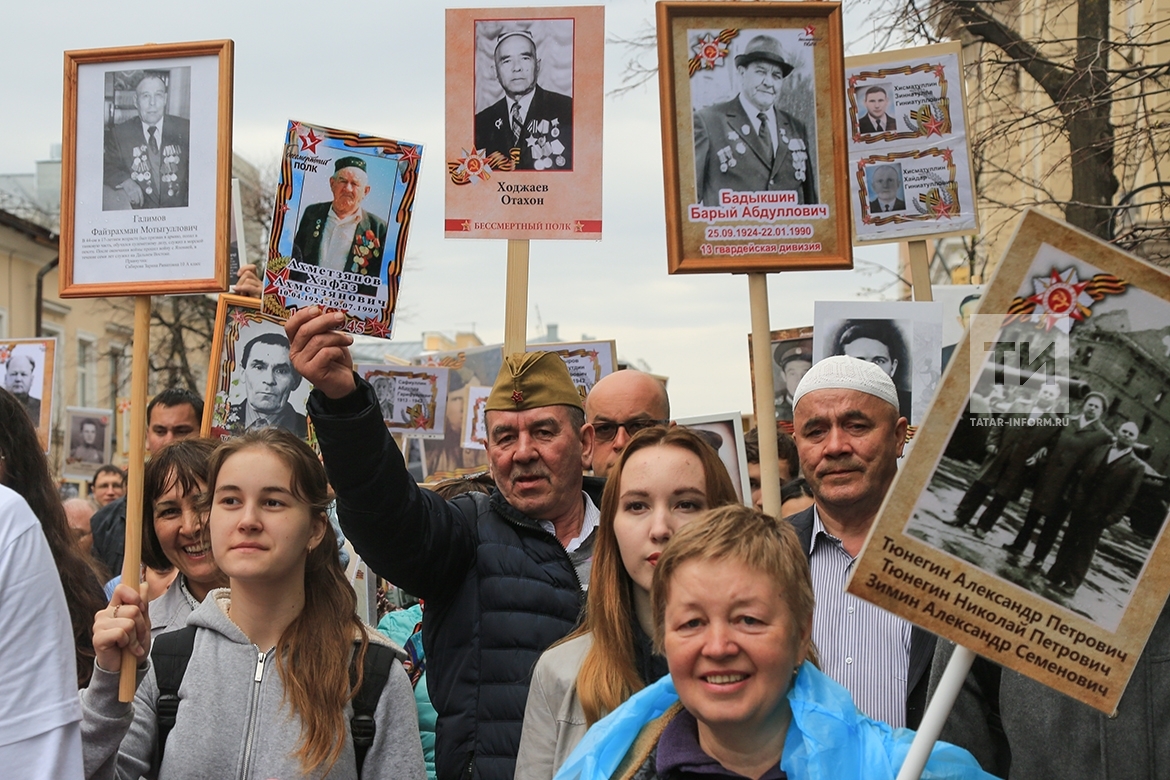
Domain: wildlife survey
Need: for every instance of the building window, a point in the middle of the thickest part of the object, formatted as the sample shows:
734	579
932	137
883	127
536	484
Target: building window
86	371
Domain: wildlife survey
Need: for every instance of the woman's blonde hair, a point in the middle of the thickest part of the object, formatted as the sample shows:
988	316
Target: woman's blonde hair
315	650
738	536
609	674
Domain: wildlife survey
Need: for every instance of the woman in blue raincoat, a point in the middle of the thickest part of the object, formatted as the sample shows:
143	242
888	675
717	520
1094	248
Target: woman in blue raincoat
733	604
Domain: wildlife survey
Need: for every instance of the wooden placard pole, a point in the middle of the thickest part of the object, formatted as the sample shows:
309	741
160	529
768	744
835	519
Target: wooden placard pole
516	297
765	394
920	271
139	374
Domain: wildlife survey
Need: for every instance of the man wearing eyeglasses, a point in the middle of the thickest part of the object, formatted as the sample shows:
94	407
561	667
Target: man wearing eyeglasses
619	406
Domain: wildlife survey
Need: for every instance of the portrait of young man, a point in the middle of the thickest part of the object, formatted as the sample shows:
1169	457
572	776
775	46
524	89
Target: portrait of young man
146	156
530	123
268	379
876	100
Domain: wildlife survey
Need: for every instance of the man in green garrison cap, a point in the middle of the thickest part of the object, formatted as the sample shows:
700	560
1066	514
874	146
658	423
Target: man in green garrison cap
341	234
503	576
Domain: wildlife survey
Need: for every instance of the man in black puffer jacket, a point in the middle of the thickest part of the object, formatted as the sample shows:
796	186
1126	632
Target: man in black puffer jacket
502	575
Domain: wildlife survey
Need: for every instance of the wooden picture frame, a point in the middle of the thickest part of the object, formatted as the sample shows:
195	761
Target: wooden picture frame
88	441
233	402
728	444
792	356
1068	322
735	202
32	387
141	216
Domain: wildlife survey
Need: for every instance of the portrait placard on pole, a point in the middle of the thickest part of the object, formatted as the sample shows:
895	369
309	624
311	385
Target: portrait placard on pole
340	225
588	361
524	122
1028	524
27	370
251	381
413	400
909	159
146	170
753	136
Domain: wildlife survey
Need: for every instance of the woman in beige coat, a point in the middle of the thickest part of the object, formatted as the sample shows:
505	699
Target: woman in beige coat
665	478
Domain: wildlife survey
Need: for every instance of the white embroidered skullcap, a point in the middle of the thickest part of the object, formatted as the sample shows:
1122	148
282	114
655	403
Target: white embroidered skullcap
842	372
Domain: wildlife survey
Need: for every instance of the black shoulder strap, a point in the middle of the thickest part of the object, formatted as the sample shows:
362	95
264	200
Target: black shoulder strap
169	656
379	659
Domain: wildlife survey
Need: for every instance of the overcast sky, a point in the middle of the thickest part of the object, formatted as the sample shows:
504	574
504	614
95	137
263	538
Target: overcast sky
379	70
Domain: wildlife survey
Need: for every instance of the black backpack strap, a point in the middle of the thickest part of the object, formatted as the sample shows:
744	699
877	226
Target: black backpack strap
376	671
169	656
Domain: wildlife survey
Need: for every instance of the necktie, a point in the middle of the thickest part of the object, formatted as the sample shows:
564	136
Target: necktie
153	141
516	126
766	134
886	207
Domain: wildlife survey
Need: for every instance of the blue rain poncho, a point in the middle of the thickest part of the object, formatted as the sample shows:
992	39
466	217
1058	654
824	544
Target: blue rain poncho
828	739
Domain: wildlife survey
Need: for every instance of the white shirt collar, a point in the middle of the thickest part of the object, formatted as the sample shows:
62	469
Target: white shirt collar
525	101
588	525
146	130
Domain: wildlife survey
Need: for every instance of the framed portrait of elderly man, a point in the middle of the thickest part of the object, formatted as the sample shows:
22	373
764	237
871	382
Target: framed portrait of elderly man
251	382
1029	522
340	225
146	169
524	130
753	138
26	371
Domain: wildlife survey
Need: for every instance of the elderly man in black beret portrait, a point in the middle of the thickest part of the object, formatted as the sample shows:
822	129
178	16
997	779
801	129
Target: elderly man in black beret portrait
747	144
340	234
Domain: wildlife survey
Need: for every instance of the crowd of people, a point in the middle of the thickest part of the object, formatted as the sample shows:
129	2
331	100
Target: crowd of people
599	604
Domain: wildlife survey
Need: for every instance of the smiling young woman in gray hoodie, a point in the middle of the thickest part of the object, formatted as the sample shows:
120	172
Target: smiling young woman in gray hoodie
267	692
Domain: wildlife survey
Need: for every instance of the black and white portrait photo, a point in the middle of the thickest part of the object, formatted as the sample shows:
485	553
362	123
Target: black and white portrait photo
755	117
88	442
883	182
524	92
902	338
146	160
252	381
878	116
1060	486
791	360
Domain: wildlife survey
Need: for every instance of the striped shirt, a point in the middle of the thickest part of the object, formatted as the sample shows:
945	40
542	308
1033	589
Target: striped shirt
861	646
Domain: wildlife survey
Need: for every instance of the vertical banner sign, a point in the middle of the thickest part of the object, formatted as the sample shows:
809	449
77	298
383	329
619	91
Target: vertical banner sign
524	122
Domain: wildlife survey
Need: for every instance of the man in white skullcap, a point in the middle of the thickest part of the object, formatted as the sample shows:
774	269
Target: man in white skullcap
849	436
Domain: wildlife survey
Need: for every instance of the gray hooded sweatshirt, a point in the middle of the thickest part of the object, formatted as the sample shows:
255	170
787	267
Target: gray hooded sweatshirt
232	722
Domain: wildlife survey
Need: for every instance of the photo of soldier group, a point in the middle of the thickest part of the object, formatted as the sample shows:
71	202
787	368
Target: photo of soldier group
1058	484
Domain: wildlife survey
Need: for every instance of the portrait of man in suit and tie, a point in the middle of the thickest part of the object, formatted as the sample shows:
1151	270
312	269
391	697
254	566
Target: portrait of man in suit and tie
875	120
340	234
748	143
146	155
531	124
885	184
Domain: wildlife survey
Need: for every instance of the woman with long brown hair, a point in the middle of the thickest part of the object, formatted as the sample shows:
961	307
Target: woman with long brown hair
25	469
663	479
273	654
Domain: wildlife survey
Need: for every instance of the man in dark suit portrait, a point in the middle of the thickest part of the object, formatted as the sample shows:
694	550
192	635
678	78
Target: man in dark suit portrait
18	380
269	378
146	158
1066	459
747	144
340	234
1103	495
886	180
530	124
875	119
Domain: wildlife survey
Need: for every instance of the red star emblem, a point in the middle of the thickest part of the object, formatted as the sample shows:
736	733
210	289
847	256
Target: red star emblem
408	153
517	396
809	30
240	318
933	126
296	128
578	226
941	209
275	281
379	328
939	71
853	81
948	155
283	208
309	142
466	225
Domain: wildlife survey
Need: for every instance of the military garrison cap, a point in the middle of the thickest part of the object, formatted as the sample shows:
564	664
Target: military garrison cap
528	380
